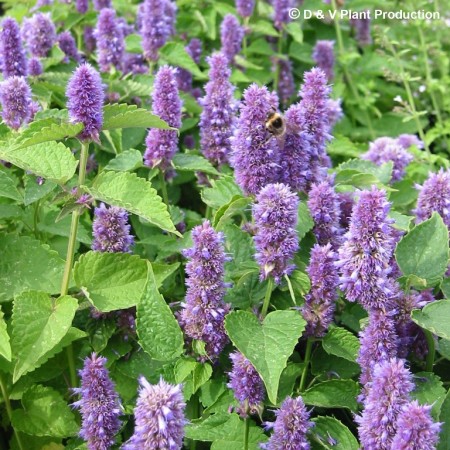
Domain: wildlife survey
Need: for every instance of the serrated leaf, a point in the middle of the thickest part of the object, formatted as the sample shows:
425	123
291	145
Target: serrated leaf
28	264
5	346
201	374
434	317
305	221
237	206
444	417
158	330
134	194
340	342
333	434
130	116
39	322
193	163
8	188
221	192
52	161
429	390
333	394
162	271
44	413
35	191
268	345
176	55
423	252
129	160
111	281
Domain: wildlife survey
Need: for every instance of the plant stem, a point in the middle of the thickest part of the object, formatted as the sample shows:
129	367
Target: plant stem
71	253
8	408
431	351
309	343
277	67
246	433
244	41
267	297
162	182
291	290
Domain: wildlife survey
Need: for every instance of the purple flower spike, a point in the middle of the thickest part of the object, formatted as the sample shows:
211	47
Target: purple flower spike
100	4
247	386
85	101
159	417
163	144
35	67
217	120
68	45
286	85
323	55
276	241
231	36
204	311
384	150
334	112
290	427
184	77
415	428
99	404
40	34
434	196
364	258
362	30
245	7
14	62
111	230
319	306
407	140
82	6
15	98
281	12
388	393
325	207
255	150
110	41
90	42
155	27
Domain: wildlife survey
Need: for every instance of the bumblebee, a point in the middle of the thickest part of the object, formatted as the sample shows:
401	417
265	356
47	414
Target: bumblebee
275	124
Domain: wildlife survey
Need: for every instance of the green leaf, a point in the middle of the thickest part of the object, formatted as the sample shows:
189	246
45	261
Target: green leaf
305	221
401	221
333	434
133	43
193	163
111	281
5	346
434	317
221	192
363	172
130	116
134	194
333	394
175	54
51	160
163	271
423	252
340	342
202	373
35	191
26	264
39	322
45	413
237	206
445	287
267	346
264	27
8	188
429	390
127	161
444	417
158	330
295	30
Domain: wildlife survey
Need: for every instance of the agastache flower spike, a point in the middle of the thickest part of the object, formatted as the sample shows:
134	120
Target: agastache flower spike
68	45
247	386
254	149
217	120
290	427
82	6
40	34
202	317
323	55
184	77
35	67
364	257
110	41
245	7
415	428
388	393
276	241
14	62
407	140
15	98
334	112
362	30
286	85
100	4
159	417
163	144
111	230
89	39
99	404
85	101
434	196
231	36
319	306
281	10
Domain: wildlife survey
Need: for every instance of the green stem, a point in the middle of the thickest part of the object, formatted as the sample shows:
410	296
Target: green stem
244	42
291	290
431	351
276	76
162	182
267	297
309	344
208	212
71	253
5	396
246	433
